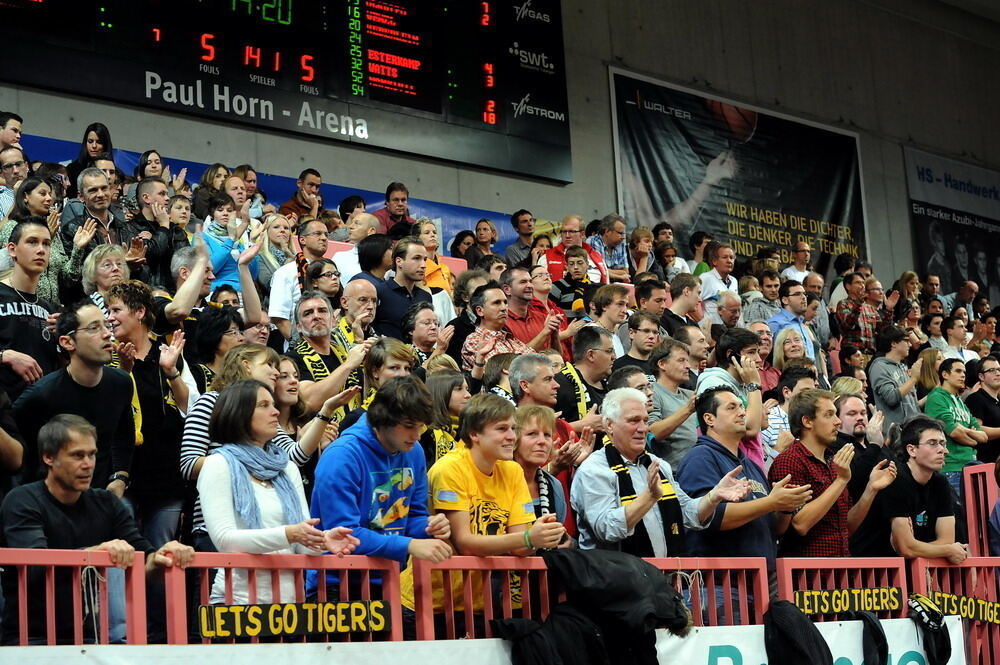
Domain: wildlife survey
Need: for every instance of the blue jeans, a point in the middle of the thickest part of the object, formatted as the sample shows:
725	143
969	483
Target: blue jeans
157	521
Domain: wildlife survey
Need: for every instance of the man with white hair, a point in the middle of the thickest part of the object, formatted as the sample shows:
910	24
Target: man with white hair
616	489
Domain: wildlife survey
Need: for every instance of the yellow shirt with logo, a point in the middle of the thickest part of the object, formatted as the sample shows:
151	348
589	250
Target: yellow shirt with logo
494	503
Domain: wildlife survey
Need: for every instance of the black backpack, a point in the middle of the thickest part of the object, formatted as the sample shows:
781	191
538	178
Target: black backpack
874	646
790	637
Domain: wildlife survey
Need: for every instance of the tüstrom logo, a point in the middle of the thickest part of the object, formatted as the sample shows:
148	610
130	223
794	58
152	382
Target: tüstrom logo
524	108
524	11
530	60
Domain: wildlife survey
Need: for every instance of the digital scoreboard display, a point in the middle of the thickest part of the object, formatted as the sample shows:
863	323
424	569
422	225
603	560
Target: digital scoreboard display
478	82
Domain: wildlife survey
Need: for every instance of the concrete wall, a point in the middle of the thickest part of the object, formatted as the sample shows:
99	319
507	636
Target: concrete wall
897	72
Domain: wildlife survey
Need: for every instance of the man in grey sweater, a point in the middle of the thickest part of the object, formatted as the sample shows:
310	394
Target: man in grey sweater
891	382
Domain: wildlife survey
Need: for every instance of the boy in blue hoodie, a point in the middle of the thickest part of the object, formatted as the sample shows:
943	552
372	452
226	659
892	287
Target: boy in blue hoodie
373	478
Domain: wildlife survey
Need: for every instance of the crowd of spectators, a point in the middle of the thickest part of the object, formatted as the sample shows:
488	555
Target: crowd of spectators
185	367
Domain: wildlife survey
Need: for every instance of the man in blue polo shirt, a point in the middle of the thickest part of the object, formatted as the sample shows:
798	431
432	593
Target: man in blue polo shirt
793	300
409	260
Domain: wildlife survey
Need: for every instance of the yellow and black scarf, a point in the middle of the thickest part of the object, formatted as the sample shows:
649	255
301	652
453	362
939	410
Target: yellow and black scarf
671	515
579	392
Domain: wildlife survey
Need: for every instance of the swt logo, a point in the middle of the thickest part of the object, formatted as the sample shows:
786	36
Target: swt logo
524	108
525	11
531	60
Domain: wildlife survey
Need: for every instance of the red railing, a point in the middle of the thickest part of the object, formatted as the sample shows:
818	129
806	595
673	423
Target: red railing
77	561
354	572
855	573
976	577
738	586
981	495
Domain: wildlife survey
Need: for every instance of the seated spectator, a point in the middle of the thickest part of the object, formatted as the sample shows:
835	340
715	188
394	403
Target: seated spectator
462	243
685	294
533	449
226	295
613	513
791	317
769	303
450	394
698	350
722	259
360	226
822	526
964	433
644	335
387	358
63	512
491	336
397	294
421	332
482	493
788	345
437	275
918	516
493	264
323	276
104	267
252	496
519	251
275	251
358	305
539	246
737	370
219	329
953	330
374	257
306	200
465	321
210	185
575	287
289	280
528	319
639	254
769	375
396	210
571	234
496	376
984	404
609	242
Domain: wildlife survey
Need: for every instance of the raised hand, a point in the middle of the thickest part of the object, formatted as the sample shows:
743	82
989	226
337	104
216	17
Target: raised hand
52	221
444	337
135	252
248	254
873	431
169	353
787	498
653	481
126	355
732	488
882	475
85	233
842	462
747	368
160	214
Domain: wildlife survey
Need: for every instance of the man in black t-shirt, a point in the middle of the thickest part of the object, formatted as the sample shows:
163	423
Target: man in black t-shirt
917	512
644	335
27	345
86	388
582	382
63	512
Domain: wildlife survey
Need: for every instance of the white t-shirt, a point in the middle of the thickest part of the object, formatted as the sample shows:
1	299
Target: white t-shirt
285	292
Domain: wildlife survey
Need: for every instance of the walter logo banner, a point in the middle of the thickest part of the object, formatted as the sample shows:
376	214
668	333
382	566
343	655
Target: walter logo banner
955	208
746	177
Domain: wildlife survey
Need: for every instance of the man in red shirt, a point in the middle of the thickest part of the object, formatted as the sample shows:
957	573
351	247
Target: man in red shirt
572	236
821	527
528	319
396	210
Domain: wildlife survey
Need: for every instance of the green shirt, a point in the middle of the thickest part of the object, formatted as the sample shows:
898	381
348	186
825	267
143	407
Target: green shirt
952	411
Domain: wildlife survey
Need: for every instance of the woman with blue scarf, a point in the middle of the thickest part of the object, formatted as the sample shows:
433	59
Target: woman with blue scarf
252	497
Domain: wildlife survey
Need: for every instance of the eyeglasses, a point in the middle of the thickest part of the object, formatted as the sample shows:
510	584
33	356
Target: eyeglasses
108	265
94	328
935	443
611	350
797	293
648	331
793	340
365	300
314	233
876	289
329	274
564	231
232	332
993	370
13	165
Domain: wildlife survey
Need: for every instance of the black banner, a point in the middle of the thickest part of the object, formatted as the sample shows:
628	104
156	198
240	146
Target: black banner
747	177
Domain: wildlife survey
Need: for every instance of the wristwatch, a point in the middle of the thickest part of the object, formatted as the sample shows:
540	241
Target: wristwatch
751	387
119	476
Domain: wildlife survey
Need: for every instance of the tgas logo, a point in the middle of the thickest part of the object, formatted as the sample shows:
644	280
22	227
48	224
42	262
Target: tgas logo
524	11
529	59
524	108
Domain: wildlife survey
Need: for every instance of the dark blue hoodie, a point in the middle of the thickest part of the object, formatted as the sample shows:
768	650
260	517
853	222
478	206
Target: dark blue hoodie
702	468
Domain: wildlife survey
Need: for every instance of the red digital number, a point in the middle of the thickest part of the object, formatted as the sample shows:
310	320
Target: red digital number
251	53
277	61
209	54
488	68
484	18
490	115
308	72
156	34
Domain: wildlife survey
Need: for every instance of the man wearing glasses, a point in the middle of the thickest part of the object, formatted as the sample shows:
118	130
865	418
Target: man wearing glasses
800	262
87	388
572	236
918	517
610	244
286	284
14	168
985	406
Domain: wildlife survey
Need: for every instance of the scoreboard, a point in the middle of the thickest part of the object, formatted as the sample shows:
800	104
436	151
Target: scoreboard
481	82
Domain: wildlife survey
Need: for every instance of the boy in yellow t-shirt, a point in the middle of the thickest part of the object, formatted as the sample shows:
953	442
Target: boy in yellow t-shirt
482	492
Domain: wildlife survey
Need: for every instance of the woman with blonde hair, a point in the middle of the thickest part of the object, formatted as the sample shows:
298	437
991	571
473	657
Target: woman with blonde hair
437	274
104	267
928	381
275	251
486	237
387	359
535	427
787	346
847	385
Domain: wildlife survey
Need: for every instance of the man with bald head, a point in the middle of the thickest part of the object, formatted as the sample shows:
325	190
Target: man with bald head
358	303
572	236
360	226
